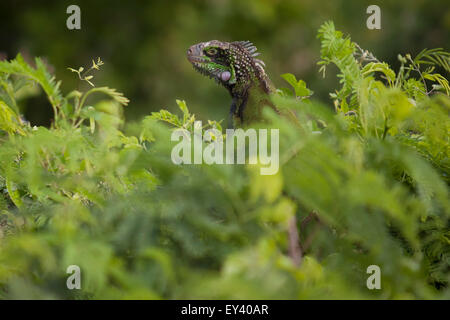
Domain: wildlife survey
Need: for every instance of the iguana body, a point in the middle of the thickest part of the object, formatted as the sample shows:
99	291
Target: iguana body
233	65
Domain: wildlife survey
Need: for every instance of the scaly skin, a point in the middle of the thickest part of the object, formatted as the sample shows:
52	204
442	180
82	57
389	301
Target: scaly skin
233	65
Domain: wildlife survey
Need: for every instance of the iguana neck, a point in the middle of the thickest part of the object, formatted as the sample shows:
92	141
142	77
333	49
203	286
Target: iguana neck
249	96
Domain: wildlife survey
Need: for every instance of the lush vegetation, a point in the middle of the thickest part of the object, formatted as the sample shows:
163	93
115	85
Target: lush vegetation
367	180
144	43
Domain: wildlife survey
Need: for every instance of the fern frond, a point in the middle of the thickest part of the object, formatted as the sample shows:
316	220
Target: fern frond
435	56
339	50
18	66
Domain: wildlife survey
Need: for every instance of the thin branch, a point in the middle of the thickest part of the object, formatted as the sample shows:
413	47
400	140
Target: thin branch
295	251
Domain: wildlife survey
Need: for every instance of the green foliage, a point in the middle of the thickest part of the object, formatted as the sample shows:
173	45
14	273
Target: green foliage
152	69
299	86
368	184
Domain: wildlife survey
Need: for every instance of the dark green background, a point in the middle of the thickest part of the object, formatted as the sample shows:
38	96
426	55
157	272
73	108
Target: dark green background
143	43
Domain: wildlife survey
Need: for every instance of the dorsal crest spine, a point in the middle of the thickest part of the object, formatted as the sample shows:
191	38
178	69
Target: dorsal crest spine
249	46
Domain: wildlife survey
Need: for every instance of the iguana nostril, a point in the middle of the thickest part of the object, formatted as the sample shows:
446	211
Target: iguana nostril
192	51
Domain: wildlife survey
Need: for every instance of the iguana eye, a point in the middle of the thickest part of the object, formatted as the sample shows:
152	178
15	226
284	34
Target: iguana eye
211	52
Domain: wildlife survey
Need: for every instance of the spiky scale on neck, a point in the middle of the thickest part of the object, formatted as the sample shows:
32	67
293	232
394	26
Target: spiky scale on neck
233	65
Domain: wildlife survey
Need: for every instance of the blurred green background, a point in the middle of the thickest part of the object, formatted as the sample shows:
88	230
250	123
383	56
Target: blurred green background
143	44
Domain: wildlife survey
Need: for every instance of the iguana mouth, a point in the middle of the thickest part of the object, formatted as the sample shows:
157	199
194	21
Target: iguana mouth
196	59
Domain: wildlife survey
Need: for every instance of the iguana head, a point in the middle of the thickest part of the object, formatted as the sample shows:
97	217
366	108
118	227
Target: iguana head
229	63
233	65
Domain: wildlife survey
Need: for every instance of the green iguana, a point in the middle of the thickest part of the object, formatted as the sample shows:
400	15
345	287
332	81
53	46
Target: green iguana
235	66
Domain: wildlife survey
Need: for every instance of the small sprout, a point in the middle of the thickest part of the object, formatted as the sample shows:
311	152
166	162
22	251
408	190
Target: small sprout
83	76
97	65
401	58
